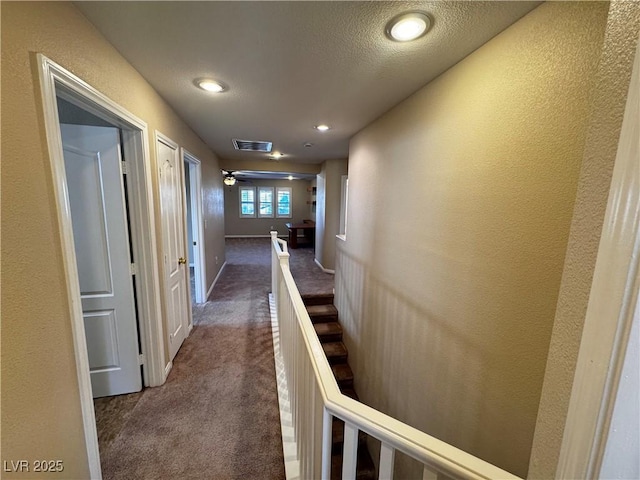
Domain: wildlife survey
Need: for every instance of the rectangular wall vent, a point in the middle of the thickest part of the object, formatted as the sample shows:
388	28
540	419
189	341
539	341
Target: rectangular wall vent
252	145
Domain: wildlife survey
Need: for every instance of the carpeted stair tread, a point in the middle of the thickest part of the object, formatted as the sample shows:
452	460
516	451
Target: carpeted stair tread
337	435
336	352
317	299
323	313
343	374
328	331
365	469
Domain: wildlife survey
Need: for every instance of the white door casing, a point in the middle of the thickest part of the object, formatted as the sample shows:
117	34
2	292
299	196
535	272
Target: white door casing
174	255
101	239
195	173
615	290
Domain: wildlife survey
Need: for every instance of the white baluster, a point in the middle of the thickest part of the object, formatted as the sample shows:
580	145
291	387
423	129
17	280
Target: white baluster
274	268
327	422
350	452
428	474
387	458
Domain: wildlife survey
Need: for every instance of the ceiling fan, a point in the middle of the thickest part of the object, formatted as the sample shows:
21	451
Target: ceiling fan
230	177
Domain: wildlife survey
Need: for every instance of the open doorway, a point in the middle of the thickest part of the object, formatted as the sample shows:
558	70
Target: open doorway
98	116
194	227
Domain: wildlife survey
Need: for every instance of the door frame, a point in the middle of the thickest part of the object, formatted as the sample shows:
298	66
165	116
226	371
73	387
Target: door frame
54	80
195	183
612	301
160	137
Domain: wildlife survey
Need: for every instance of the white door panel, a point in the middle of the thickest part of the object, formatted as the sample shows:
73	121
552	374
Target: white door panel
101	238
171	194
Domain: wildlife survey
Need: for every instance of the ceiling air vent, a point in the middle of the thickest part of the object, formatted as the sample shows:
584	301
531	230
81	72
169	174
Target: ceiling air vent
252	145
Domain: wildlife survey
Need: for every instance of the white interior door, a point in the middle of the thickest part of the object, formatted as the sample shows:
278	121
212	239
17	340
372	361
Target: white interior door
175	263
101	237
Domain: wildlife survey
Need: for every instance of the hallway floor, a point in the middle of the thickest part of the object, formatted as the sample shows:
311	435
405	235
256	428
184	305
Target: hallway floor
217	415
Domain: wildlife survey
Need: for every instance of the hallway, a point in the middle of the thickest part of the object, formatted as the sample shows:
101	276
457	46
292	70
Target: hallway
217	415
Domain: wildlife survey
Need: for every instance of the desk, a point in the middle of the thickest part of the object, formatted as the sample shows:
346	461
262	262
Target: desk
307	226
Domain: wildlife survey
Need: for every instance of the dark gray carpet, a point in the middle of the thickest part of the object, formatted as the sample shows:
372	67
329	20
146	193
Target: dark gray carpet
217	415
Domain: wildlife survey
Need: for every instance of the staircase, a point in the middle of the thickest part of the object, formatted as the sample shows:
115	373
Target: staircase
324	317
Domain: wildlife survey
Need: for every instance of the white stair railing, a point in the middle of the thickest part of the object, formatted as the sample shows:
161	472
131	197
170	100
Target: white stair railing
315	399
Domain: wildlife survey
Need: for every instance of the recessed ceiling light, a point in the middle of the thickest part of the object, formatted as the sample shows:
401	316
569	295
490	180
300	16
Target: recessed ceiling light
322	128
276	155
408	26
211	85
290	177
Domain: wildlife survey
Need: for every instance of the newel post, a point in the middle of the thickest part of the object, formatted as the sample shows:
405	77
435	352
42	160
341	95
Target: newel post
279	261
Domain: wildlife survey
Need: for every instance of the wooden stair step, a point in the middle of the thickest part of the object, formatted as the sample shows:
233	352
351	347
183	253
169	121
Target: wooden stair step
322	313
365	469
336	352
317	299
337	435
328	331
343	374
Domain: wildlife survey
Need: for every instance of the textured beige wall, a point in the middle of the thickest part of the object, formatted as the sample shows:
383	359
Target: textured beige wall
234	225
41	416
460	203
612	83
328	210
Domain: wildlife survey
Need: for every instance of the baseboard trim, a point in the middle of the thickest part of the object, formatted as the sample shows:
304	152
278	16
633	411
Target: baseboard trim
325	270
289	445
213	284
167	369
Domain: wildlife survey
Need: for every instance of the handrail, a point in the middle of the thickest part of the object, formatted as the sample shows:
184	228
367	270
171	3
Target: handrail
283	244
437	456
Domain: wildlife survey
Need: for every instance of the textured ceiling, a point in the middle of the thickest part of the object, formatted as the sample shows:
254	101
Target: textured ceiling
291	65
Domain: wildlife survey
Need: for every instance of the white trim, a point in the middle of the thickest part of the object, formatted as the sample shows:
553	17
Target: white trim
325	270
213	284
135	143
609	316
195	182
287	429
146	252
167	369
47	73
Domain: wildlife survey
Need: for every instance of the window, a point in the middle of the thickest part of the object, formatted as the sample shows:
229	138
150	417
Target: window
261	202
284	202
265	199
247	202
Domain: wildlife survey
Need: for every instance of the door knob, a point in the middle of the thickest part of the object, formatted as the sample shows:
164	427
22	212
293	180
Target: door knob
182	261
